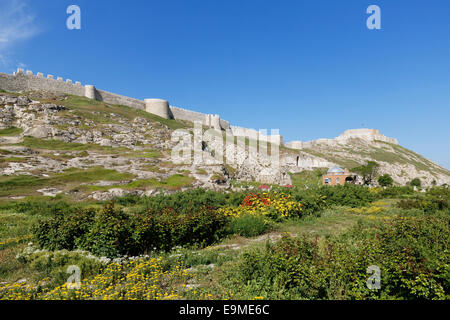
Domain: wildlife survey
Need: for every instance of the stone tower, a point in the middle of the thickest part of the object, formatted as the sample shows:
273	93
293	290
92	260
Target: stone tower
215	122
158	106
89	91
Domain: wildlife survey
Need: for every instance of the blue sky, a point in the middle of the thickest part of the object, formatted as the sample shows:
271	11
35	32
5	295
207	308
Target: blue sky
309	68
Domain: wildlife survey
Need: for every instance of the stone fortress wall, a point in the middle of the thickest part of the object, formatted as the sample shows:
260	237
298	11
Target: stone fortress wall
365	134
254	134
21	81
27	81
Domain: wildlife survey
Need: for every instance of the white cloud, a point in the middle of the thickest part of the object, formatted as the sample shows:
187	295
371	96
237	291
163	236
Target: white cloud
17	23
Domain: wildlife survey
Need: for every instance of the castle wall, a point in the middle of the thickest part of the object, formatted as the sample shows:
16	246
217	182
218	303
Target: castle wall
113	98
193	116
188	115
367	134
27	82
295	145
224	124
252	133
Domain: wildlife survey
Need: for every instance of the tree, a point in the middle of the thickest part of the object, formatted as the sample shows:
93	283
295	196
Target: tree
385	180
415	182
368	171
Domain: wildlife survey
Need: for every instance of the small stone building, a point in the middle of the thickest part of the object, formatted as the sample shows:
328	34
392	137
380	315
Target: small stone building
338	176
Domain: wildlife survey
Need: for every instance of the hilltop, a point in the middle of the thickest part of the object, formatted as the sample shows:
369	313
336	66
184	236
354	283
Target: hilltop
356	147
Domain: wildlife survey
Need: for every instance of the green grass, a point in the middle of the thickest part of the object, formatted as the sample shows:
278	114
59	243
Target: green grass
343	162
308	178
11	131
12	159
174	182
27	185
331	222
99	112
59	145
384	154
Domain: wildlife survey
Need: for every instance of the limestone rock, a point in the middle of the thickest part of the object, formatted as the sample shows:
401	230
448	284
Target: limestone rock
39	132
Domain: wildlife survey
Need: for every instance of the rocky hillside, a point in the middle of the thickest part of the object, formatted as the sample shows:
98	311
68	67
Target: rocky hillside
60	144
402	164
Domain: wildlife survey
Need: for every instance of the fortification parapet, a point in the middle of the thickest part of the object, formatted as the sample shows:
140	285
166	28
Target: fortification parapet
21	81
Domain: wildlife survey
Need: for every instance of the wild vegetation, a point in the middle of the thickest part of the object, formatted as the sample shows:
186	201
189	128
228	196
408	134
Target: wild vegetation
287	243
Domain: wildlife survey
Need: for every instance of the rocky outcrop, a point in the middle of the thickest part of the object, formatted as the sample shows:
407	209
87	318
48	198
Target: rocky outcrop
45	121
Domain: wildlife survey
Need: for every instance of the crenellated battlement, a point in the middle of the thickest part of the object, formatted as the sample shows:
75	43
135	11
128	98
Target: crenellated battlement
40	75
22	80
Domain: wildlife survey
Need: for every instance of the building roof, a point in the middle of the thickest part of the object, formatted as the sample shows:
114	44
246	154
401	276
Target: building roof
336	169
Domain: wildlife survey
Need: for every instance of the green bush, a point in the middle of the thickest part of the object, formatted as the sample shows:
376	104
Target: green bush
385	180
53	265
62	231
347	195
183	201
39	206
415	182
396	192
109	235
315	200
312	202
249	225
166	229
110	232
411	252
435	199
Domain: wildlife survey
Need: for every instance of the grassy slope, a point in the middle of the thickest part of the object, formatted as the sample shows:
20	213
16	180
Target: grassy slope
308	178
100	112
27	185
383	153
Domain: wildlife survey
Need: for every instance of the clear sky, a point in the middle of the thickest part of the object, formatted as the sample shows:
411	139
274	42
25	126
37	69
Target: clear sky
310	68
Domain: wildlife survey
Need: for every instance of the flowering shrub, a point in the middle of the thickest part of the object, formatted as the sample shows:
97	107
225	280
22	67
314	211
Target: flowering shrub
273	205
140	279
